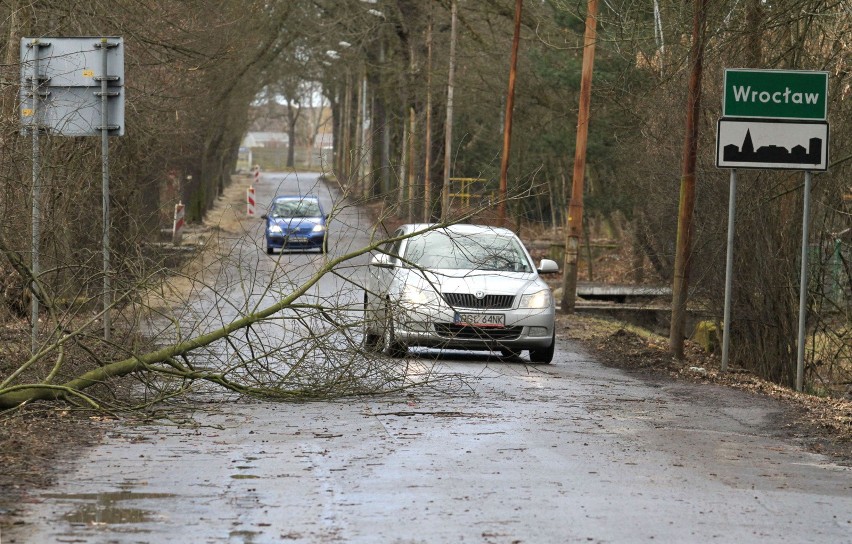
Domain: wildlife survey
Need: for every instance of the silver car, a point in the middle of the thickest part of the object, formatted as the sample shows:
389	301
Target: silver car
467	287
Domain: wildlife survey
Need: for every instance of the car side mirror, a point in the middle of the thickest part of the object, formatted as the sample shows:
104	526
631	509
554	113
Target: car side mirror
382	260
548	267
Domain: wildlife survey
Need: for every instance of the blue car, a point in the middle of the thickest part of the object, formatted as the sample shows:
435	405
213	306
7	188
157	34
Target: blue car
295	223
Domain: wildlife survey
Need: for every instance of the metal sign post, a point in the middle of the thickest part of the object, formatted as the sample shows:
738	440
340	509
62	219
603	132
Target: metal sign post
729	270
80	76
803	284
35	84
773	119
105	127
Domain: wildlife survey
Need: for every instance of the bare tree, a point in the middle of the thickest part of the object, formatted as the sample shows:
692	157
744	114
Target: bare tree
239	321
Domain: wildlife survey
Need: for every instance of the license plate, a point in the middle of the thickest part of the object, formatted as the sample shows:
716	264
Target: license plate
480	320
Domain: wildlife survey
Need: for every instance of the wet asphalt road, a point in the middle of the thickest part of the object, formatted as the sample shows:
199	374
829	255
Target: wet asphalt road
567	452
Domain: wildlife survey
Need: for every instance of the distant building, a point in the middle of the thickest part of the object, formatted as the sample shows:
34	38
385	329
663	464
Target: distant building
266	139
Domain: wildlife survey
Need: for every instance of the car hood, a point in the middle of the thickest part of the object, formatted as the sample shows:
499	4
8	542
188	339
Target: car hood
466	281
295	222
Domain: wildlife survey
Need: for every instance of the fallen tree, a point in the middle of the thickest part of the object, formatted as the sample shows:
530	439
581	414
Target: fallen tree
320	355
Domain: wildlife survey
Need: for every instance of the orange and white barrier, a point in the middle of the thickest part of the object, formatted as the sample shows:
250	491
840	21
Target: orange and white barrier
250	201
177	228
256	174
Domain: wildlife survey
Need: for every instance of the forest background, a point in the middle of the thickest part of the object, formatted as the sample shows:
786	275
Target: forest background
198	71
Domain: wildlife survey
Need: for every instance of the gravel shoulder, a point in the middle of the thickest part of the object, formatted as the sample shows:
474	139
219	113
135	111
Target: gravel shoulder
823	425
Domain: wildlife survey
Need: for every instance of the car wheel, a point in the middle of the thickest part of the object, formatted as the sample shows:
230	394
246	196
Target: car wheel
372	341
269	250
544	355
390	345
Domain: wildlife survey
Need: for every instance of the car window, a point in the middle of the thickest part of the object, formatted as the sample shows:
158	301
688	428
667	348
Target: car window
295	208
480	251
395	249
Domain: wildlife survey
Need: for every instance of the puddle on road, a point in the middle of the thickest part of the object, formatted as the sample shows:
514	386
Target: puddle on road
107	508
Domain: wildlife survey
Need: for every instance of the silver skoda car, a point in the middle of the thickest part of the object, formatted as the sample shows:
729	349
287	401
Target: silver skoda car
461	287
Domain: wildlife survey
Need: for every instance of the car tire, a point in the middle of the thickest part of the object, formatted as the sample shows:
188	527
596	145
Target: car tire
544	355
269	250
390	345
372	341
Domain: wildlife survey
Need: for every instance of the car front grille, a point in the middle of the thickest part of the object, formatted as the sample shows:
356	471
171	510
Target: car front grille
469	332
299	231
488	302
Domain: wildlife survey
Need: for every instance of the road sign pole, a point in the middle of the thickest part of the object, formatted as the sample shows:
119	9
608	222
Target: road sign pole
105	189
36	195
729	270
774	119
803	285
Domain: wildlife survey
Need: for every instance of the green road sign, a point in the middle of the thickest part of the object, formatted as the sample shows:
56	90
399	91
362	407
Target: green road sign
775	94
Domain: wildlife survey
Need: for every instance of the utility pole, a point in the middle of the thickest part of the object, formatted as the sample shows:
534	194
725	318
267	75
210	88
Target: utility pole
575	207
507	128
448	129
364	154
427	173
346	132
409	178
680	285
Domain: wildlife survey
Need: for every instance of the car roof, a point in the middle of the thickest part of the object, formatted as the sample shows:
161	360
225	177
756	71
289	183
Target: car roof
296	197
458	228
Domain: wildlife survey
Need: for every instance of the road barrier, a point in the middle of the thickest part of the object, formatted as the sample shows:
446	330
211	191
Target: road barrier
250	201
256	174
177	229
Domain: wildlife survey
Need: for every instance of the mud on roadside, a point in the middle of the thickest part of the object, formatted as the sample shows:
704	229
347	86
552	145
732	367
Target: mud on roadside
37	438
823	425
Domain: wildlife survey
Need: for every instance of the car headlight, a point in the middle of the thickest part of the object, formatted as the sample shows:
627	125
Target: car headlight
318	228
274	229
416	295
540	299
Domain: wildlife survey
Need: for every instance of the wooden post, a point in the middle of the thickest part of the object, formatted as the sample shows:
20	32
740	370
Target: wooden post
680	285
448	128
575	207
507	128
427	175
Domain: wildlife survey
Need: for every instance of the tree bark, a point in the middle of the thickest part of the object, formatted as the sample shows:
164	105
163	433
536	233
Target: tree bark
680	286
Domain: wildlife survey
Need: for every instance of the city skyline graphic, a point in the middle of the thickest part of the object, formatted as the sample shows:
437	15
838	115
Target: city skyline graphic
774	154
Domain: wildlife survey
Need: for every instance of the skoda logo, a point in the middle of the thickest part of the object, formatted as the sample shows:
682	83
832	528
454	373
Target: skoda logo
479	294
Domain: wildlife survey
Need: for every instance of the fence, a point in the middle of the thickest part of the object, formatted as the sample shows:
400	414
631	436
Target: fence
275	158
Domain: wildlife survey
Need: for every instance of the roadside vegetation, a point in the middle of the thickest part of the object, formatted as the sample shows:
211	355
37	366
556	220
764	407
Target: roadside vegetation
200	74
197	78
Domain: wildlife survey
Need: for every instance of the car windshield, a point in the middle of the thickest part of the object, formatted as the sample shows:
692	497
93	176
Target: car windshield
479	251
295	208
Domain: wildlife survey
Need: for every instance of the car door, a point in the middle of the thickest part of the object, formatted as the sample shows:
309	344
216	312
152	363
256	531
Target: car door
383	267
